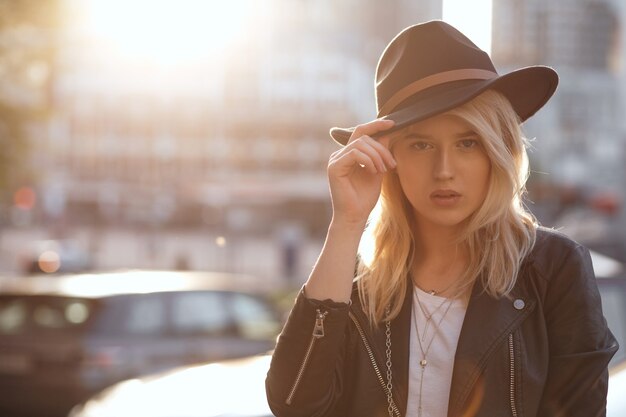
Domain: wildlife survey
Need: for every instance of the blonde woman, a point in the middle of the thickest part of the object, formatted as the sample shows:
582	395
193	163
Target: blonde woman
465	307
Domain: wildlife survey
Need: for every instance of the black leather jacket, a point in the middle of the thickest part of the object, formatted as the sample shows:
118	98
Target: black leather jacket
543	351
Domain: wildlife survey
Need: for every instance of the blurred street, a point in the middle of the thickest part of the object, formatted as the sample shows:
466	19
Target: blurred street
184	137
269	259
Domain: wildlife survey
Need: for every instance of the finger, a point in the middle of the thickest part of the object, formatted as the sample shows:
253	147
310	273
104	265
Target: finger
364	161
370	128
371	148
382	147
355	157
384	140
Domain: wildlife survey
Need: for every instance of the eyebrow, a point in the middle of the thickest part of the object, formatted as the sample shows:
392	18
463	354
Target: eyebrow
465	134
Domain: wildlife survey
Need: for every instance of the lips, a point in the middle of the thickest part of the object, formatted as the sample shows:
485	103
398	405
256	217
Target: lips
445	198
444	194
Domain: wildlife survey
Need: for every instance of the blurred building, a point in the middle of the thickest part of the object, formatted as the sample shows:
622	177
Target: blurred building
27	47
237	142
582	129
581	134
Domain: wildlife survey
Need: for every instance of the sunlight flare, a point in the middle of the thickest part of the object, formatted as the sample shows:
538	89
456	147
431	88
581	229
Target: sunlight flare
166	32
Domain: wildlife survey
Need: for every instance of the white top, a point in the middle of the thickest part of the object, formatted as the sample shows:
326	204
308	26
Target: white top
437	374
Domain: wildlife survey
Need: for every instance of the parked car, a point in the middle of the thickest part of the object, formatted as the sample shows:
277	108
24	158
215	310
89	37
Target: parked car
233	388
237	388
63	338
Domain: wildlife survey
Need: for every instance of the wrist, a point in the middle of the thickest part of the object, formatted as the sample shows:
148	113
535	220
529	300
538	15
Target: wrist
345	226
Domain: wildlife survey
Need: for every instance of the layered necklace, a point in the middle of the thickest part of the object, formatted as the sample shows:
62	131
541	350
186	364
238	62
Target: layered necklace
424	344
434	292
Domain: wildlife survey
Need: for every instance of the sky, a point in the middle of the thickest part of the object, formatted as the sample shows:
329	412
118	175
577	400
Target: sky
473	18
201	30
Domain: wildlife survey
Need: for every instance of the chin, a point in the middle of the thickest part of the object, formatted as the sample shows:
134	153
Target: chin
445	222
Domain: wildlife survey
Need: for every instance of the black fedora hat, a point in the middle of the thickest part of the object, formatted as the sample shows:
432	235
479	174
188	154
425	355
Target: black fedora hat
431	68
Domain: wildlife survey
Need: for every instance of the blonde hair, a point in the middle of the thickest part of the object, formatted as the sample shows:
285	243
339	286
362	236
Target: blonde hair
498	235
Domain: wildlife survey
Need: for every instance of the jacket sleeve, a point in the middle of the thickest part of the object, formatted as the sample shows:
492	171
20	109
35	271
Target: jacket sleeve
580	342
305	375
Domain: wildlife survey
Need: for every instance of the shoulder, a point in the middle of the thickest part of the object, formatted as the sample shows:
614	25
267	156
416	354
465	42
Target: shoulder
553	251
553	242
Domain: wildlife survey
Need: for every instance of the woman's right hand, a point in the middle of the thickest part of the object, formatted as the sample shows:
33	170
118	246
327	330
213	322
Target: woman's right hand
355	173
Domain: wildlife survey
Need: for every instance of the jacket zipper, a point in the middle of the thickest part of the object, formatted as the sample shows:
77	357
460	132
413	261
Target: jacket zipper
512	375
373	360
318	333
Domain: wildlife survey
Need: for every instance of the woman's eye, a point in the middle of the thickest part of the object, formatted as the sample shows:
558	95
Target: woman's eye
420	145
468	143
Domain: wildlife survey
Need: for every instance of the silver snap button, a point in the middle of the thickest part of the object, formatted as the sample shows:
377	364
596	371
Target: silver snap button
519	304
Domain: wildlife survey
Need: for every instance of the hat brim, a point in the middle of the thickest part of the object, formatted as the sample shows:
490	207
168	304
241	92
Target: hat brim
528	89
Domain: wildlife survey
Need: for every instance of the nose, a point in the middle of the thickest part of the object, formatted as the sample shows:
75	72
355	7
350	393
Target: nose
443	168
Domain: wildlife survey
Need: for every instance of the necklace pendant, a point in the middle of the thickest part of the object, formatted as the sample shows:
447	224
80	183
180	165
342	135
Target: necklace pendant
423	363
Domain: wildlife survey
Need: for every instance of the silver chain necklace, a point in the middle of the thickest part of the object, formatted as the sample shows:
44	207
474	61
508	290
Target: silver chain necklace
428	314
389	386
435	292
424	361
388	363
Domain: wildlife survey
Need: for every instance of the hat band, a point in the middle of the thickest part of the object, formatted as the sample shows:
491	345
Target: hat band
431	81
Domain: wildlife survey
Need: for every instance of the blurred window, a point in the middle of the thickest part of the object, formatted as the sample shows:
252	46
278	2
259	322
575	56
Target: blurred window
200	313
49	316
37	314
13	316
255	319
146	316
77	312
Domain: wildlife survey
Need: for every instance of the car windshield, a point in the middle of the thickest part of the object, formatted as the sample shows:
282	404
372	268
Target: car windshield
38	314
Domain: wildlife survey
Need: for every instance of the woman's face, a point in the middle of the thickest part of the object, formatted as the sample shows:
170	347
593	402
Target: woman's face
443	170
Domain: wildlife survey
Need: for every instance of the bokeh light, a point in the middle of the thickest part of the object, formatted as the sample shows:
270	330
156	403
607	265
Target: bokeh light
49	261
76	312
25	198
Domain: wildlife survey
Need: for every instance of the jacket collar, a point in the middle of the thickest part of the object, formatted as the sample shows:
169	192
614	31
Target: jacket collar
488	322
